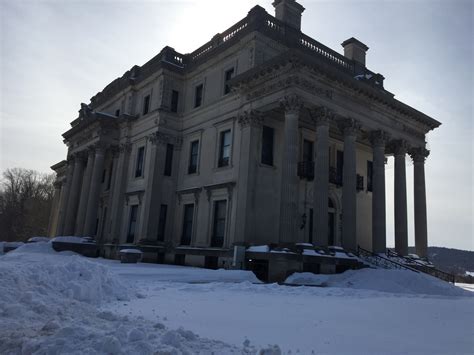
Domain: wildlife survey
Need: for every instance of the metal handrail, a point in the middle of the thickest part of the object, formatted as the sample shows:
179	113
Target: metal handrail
430	270
379	260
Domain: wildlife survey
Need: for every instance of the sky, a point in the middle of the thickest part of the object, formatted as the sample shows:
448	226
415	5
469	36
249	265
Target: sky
56	54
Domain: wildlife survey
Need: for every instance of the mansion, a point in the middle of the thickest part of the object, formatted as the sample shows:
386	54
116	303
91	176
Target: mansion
262	136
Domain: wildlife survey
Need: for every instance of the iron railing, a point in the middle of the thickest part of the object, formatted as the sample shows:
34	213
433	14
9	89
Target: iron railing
380	261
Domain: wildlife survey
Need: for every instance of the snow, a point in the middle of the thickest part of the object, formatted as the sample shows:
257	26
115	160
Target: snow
38	239
130	251
259	249
71	239
64	303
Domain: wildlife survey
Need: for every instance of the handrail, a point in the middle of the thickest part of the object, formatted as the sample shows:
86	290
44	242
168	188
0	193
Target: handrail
378	260
430	270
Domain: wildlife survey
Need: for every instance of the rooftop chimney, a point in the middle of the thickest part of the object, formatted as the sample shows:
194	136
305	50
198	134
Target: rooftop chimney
355	50
289	11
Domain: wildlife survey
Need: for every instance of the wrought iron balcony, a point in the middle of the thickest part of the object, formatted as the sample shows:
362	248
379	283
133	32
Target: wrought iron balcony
306	170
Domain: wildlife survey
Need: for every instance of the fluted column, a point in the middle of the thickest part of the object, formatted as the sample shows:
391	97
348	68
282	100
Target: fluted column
250	132
114	150
94	192
322	117
118	192
154	180
86	182
400	198
289	171
349	128
421	228
53	216
379	243
74	192
64	198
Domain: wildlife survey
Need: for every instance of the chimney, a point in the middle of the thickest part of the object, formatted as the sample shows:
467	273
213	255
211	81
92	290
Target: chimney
355	50
289	11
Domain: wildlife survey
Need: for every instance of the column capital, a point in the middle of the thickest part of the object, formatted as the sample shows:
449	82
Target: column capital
125	147
253	118
322	115
291	104
349	126
99	148
399	146
379	138
419	154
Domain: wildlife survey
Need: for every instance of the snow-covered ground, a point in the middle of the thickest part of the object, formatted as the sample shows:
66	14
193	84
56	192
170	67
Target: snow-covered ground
63	303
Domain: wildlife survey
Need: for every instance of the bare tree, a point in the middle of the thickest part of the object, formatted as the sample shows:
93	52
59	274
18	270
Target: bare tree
25	203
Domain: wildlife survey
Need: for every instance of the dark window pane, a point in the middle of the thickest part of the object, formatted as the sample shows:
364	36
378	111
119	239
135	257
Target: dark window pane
198	95
310	239
132	224
187	224
117	112
224	150
139	165
146	104
308	152
193	157
267	145
162	223
169	159
369	175
228	75
219	223
339	167
174	101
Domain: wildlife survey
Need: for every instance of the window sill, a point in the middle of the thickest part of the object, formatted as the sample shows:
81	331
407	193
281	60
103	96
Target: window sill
263	165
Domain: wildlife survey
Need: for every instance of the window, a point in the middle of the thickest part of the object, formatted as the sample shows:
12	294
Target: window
227	76
219	223
339	167
187	224
117	112
174	101
193	157
162	223
224	149
308	150
132	224
146	104
169	159
198	95
139	164
370	171
267	145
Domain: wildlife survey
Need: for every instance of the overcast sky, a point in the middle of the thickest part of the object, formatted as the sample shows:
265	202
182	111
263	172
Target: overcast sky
57	54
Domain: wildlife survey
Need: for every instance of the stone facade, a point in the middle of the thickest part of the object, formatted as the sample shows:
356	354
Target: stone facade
262	135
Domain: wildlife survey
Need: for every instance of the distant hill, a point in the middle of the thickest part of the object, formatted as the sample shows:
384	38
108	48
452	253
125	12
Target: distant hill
454	261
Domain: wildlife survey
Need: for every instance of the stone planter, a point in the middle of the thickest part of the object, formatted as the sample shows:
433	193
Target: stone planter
130	256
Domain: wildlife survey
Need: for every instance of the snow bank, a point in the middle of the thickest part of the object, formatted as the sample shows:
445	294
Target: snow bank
391	281
38	239
72	240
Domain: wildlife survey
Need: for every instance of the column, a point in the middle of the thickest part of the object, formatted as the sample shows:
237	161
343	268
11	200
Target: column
154	178
94	192
378	138
322	117
250	133
75	188
64	198
289	171
400	198
118	192
53	216
421	229
349	128
86	182
106	237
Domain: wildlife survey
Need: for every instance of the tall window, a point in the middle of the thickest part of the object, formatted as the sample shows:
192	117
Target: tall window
224	149
187	224
132	224
139	164
370	172
227	76
219	223
146	104
169	159
267	145
162	223
308	151
174	101
193	157
198	95
339	166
